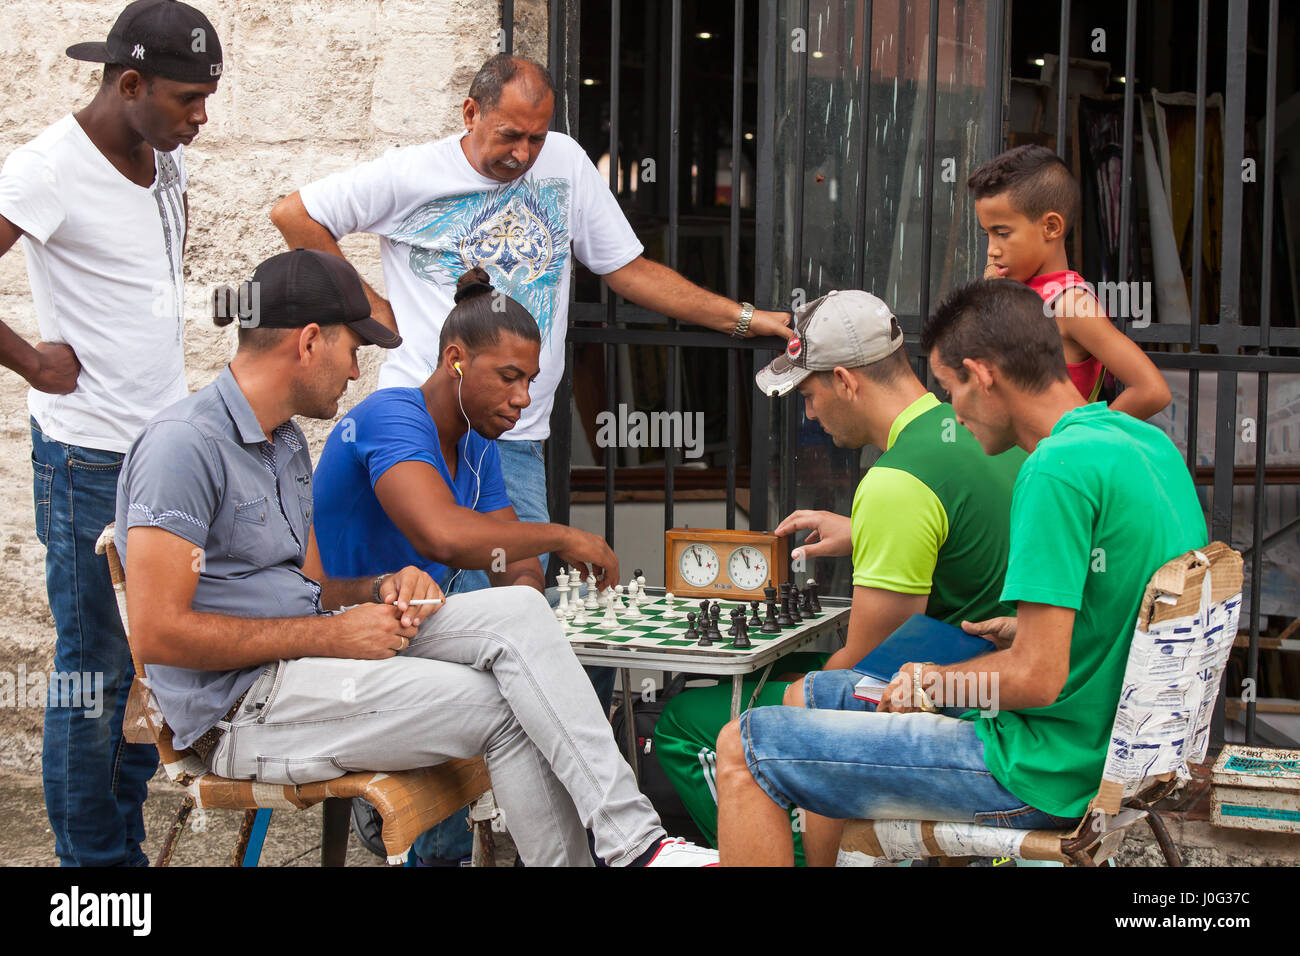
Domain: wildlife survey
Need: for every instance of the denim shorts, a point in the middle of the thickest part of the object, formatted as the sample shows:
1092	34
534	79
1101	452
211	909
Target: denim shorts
852	763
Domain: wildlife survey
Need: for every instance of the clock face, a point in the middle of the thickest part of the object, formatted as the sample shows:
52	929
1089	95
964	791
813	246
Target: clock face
698	565
747	568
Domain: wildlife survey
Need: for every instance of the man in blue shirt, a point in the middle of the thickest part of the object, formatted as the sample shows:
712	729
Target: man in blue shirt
405	477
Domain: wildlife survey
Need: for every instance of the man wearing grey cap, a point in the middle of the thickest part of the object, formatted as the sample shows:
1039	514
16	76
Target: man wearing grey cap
928	532
99	202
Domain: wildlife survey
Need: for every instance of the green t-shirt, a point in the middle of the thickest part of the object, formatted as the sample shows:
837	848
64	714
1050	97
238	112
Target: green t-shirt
932	516
1101	503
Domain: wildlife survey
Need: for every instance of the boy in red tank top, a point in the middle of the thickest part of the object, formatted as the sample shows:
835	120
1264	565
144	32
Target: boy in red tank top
1027	201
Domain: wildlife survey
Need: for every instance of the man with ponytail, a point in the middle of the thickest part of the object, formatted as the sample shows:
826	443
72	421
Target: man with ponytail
271	669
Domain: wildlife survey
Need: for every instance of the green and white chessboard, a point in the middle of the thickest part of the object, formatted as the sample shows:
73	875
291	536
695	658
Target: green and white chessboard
652	633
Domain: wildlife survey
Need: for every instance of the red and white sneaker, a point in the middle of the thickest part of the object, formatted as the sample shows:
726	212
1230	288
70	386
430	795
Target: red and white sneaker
677	852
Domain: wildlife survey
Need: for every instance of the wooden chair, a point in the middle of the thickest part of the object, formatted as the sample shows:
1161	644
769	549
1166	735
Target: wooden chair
1184	632
409	801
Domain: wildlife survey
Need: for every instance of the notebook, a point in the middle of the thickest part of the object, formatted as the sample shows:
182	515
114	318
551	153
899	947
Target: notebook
920	638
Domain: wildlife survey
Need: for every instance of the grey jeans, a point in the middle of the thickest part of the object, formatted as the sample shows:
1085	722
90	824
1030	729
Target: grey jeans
490	673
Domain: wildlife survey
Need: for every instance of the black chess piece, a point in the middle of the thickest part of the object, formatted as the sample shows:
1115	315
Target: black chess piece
769	594
714	613
794	606
770	624
805	605
691	633
736	614
704	614
783	615
813	600
742	640
754	619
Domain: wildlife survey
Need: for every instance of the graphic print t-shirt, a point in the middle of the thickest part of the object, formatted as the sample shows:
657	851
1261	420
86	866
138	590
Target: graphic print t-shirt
437	216
104	259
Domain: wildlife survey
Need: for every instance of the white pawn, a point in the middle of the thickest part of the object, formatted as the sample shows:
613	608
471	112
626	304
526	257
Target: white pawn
562	620
592	603
618	598
670	613
580	616
643	598
633	605
610	620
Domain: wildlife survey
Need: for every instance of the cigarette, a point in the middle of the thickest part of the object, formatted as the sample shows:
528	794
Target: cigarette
426	601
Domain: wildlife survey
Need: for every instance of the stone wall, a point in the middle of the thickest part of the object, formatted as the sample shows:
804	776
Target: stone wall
309	87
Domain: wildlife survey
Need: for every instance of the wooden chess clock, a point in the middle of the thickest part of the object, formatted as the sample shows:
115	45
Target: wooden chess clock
735	565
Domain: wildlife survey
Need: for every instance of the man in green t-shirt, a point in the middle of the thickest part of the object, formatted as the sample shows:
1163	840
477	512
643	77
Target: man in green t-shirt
1102	502
929	528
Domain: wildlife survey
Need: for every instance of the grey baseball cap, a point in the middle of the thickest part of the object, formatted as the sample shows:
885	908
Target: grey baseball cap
845	328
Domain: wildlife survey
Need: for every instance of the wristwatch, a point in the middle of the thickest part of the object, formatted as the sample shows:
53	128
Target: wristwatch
742	325
374	588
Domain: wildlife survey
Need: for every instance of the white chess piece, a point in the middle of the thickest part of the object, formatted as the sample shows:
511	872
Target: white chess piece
562	620
610	620
633	604
592	603
670	612
580	616
575	596
642	597
618	598
562	580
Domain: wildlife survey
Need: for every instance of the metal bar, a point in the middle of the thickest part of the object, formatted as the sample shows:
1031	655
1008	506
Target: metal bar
559	458
674	192
611	303
733	272
790	409
508	25
927	179
1063	78
1261	390
995	70
1126	175
864	134
1270	151
762	437
1198	230
1257	553
1226	365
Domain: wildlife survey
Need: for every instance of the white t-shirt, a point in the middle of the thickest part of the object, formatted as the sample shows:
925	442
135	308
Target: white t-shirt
104	259
437	217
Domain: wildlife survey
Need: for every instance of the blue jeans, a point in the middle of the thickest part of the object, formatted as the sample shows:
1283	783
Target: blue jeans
840	759
95	782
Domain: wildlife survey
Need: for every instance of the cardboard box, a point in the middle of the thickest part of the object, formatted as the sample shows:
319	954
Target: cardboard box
1256	789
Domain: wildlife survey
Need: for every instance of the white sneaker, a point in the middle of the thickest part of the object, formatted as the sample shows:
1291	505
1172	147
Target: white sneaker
677	852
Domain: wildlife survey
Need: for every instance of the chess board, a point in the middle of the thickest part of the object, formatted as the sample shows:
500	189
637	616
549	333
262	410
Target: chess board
651	633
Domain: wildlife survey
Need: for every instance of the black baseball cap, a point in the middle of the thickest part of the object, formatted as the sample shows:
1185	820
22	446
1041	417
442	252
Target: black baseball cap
164	37
297	288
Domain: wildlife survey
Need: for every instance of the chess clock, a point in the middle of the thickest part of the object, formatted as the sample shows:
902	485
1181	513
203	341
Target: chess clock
731	565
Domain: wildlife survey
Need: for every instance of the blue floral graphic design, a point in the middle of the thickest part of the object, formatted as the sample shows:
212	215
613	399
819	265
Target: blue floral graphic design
518	232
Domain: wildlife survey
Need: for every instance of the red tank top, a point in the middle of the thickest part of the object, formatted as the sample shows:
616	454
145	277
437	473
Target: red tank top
1088	374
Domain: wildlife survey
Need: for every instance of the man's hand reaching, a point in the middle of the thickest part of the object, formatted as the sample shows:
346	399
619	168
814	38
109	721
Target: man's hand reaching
830	535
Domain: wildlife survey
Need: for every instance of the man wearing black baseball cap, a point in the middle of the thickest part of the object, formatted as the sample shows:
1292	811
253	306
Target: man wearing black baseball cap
252	673
99	202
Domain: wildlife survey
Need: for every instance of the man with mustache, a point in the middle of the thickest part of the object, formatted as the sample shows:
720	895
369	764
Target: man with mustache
99	201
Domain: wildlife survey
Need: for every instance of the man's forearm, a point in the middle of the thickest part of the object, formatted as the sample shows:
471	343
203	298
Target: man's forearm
299	229
342	592
216	642
17	354
477	544
660	289
996	681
